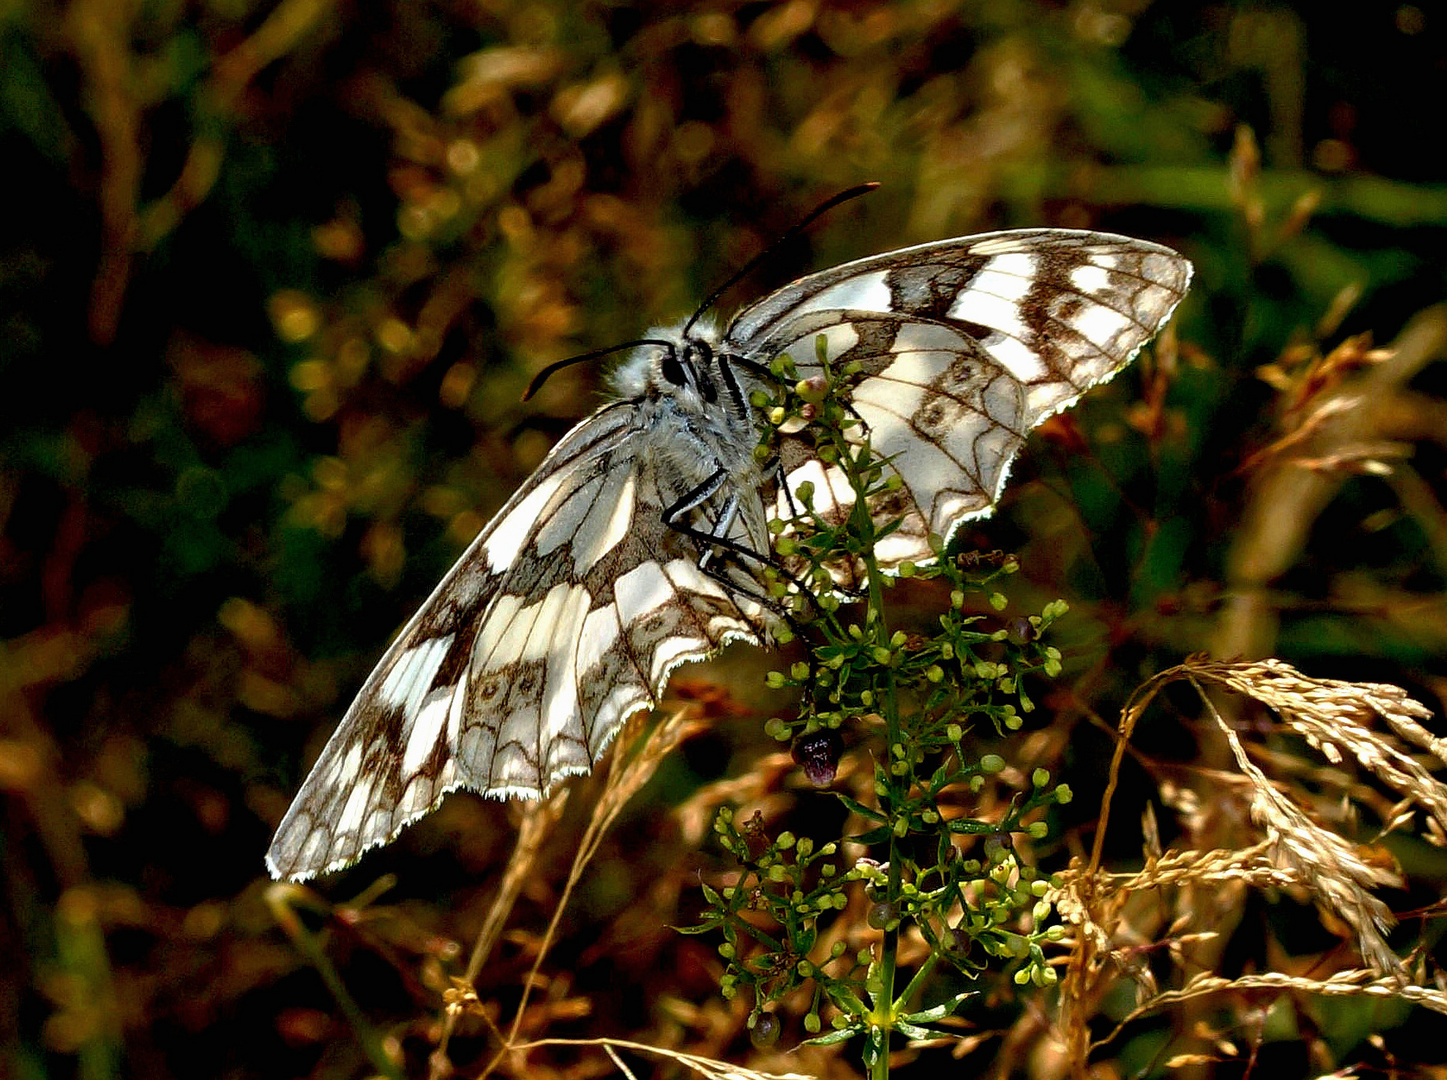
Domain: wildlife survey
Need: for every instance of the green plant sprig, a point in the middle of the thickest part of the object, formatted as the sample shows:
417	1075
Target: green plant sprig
915	698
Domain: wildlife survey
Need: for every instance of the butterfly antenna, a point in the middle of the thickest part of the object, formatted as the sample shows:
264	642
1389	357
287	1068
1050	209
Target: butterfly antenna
558	365
749	267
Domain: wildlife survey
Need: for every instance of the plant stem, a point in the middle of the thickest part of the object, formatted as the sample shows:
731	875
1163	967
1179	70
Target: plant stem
889	801
890	947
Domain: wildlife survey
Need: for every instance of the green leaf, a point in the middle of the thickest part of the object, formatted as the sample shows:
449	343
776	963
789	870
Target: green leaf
873	836
702	928
844	997
972	827
807	936
859	808
939	1012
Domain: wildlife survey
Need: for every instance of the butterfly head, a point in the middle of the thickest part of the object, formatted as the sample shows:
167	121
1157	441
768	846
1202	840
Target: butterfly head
684	367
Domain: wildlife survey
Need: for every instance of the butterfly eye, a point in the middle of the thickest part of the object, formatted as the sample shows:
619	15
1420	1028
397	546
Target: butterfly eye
673	370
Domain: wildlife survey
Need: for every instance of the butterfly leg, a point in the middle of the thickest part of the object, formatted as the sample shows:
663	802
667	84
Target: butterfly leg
721	528
673	517
711	542
717	539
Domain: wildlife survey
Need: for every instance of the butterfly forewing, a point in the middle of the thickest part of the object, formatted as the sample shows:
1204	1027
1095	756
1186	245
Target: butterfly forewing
963	347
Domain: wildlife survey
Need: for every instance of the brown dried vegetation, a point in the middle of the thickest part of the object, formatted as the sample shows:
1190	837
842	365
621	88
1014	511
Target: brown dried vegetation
273	281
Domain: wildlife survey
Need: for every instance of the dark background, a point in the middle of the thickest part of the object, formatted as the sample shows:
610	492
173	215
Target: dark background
273	278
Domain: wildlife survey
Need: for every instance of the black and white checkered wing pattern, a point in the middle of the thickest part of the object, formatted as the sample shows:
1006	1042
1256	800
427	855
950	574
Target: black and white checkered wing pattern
563	618
635	546
965	345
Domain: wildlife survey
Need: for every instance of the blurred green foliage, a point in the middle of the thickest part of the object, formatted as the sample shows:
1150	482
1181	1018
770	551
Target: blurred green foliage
273	277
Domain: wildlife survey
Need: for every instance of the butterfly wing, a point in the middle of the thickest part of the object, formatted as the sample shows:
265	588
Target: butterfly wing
965	346
563	618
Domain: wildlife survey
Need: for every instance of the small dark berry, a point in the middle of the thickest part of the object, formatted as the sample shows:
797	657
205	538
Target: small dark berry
766	1031
1021	631
818	755
880	915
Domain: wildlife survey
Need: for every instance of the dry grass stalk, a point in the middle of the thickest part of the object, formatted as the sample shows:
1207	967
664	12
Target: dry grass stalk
1356	982
632	764
1372	724
1341	414
1336	718
708	1068
1329	866
538	821
1308	380
1250	865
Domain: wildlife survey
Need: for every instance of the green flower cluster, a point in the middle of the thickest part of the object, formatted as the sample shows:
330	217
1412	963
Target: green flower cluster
913	700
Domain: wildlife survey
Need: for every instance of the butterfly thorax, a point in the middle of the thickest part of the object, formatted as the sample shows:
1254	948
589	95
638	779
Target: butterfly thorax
695	422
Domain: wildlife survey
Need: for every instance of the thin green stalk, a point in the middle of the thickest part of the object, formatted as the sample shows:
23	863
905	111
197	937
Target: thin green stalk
916	983
280	898
889	949
883	1013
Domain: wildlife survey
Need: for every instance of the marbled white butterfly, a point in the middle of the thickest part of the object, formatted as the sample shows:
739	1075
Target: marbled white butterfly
572	606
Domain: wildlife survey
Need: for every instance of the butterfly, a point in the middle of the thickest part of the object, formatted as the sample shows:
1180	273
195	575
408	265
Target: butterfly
636	544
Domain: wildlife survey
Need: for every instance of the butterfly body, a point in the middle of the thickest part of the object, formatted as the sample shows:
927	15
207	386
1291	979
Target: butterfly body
636	544
697	426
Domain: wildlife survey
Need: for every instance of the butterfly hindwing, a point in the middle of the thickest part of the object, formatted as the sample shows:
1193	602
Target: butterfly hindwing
602	603
564	617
